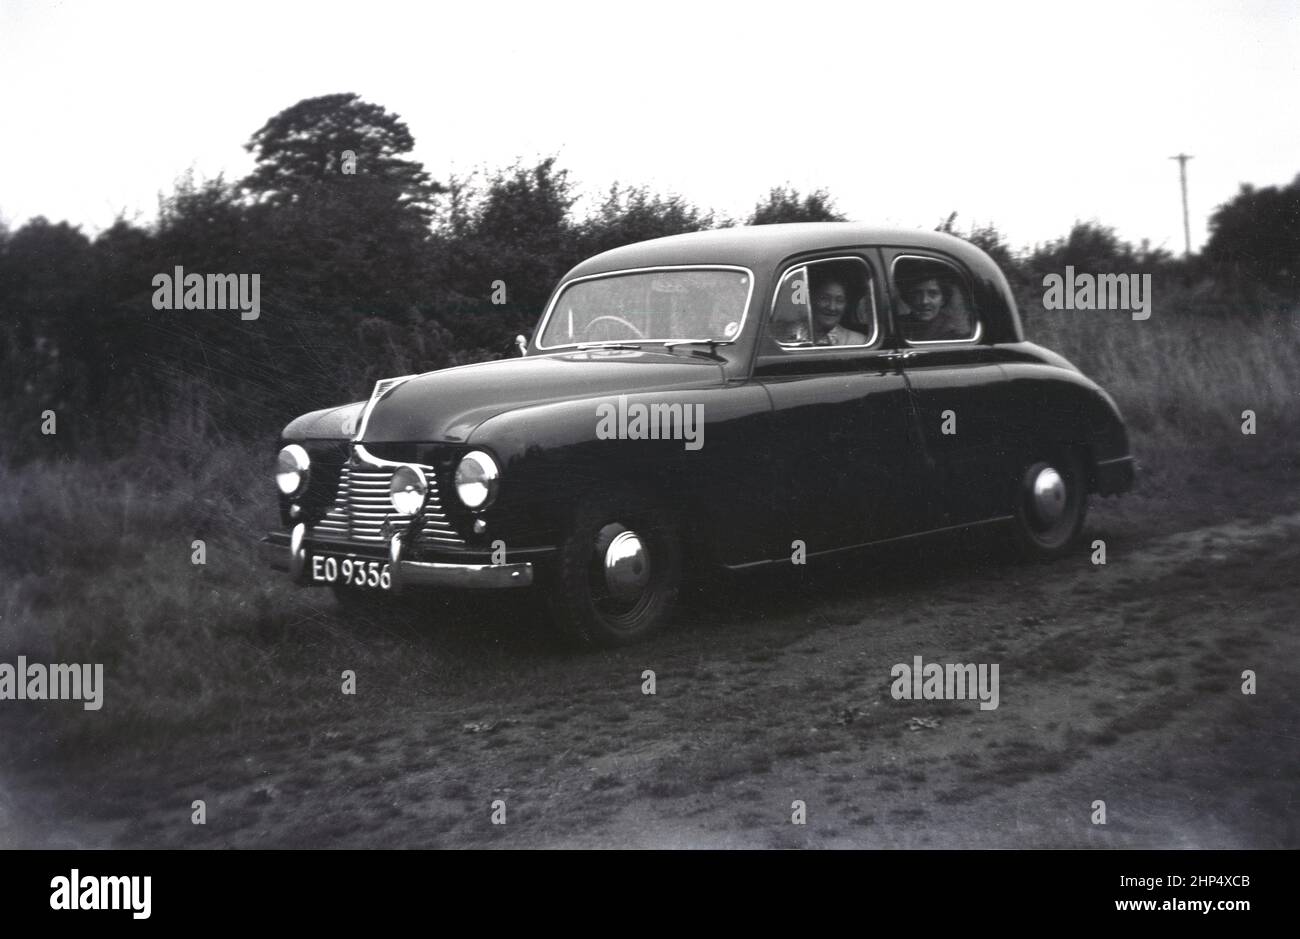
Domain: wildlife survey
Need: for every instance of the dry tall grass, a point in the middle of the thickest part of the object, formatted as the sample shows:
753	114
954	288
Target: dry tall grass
1185	373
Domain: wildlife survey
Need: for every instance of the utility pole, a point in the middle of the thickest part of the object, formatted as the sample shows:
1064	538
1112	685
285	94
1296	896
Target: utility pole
1182	159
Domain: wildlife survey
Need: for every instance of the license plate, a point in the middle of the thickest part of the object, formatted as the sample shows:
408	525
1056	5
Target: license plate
352	572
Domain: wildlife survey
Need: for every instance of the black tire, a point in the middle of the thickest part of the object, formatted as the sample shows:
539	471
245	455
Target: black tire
585	609
1046	526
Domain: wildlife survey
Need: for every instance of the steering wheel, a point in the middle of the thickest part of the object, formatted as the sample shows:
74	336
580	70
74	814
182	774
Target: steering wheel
617	319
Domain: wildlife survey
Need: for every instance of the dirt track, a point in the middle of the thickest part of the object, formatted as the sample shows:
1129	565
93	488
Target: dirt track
1119	683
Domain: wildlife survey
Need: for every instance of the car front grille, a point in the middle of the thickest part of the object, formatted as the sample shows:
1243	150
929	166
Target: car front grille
361	506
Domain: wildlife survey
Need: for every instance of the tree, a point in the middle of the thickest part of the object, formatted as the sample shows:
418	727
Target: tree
1256	236
340	214
991	241
517	231
303	154
51	335
632	214
1089	246
203	225
1096	248
528	207
46	275
787	205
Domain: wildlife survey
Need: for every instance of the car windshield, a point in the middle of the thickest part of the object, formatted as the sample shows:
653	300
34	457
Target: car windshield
650	306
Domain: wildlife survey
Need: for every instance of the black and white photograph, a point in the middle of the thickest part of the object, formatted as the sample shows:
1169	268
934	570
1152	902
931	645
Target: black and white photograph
715	426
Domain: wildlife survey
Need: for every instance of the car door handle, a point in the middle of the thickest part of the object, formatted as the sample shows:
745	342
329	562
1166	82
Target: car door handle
899	356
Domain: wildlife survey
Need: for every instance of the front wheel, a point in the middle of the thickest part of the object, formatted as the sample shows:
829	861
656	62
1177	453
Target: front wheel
617	573
1051	500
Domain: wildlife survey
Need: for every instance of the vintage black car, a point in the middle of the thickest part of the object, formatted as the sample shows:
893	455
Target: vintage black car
736	398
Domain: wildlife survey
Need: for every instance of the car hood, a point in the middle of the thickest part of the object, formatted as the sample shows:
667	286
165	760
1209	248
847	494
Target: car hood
447	405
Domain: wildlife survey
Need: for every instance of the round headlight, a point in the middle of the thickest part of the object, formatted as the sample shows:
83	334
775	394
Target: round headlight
407	490
476	479
292	469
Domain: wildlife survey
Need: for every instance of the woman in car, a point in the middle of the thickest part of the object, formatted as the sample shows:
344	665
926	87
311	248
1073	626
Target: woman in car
829	302
936	309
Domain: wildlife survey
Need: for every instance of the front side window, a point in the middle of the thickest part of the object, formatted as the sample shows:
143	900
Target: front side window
652	306
825	303
935	302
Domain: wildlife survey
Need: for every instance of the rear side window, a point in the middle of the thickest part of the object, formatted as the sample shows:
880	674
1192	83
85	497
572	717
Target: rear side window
825	303
934	302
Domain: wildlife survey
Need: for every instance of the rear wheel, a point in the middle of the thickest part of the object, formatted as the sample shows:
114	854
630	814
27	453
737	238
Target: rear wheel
618	571
1051	500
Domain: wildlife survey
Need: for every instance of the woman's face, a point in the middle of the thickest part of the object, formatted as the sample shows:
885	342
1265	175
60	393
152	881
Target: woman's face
829	305
926	299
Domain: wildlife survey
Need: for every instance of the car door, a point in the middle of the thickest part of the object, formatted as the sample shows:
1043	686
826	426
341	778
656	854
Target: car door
956	388
843	450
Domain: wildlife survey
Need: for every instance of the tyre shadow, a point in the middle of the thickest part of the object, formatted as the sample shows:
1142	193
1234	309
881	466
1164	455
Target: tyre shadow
912	568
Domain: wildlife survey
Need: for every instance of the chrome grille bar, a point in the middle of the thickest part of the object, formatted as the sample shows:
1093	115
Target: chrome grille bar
361	506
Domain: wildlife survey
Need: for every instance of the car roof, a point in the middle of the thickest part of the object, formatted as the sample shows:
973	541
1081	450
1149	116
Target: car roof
759	246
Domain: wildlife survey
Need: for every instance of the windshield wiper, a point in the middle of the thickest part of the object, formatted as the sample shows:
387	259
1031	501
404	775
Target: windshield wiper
711	343
606	345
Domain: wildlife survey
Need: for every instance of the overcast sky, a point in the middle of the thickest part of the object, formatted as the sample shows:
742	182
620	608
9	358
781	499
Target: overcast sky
1017	114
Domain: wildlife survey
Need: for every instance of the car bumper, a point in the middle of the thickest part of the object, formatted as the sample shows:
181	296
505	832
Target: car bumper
291	553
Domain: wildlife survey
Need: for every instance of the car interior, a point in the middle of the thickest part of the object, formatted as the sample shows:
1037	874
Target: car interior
792	314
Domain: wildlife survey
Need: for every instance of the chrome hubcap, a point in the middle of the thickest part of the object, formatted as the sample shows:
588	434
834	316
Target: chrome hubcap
627	566
1049	495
